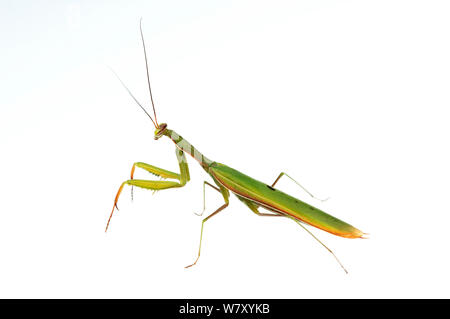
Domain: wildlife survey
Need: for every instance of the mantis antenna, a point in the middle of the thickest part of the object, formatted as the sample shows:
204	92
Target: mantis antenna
155	122
131	94
146	67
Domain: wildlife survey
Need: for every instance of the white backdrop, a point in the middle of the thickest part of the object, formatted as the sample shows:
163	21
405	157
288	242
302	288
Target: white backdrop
350	98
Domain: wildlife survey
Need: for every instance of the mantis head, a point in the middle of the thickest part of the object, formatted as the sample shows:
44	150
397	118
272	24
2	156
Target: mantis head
160	130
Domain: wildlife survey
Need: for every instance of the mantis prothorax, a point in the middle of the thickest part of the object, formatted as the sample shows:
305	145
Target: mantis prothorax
253	193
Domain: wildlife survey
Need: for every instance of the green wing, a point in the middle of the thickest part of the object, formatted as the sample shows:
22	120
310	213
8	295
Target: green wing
275	200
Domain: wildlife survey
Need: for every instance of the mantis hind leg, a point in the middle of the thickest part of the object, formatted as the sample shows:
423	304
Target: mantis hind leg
308	192
182	177
255	208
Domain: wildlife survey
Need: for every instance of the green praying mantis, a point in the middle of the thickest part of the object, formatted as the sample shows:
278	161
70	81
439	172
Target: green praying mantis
253	193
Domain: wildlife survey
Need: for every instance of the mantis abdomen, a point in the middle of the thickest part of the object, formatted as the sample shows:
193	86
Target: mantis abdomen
277	201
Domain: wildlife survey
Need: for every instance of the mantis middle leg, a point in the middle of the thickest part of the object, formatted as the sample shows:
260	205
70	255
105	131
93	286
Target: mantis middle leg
204	201
226	194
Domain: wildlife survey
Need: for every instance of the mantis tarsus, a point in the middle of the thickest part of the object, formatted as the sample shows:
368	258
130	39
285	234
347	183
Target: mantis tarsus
254	194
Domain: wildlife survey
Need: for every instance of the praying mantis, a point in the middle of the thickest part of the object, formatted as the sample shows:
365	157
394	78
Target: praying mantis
253	193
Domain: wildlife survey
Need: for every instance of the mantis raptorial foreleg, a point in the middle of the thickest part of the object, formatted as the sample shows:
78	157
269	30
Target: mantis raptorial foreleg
309	193
225	194
183	177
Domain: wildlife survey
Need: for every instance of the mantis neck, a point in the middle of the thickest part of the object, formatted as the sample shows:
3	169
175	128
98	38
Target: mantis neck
187	147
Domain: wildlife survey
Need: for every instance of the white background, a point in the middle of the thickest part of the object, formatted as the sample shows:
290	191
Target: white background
350	98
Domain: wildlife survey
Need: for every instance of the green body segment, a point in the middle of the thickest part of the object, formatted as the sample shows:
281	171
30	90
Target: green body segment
264	195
